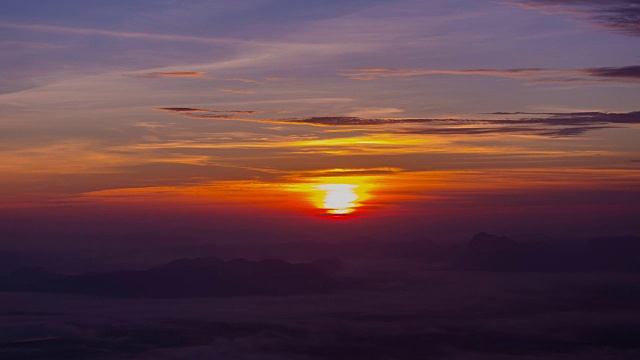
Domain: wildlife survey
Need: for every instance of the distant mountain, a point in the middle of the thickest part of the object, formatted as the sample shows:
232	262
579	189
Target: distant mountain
199	277
489	244
24	277
614	253
487	252
360	248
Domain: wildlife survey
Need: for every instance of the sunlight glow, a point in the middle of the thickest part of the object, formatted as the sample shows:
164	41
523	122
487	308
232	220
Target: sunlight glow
339	199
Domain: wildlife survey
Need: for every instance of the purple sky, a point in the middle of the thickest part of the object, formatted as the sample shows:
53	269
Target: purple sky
328	119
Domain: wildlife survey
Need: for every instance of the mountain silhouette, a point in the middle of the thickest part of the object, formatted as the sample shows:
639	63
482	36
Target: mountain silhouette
487	252
614	253
489	243
198	277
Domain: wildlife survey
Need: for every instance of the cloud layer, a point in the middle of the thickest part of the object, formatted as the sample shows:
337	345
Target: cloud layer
542	124
206	114
534	75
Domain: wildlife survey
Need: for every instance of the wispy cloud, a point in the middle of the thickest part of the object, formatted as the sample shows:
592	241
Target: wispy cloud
117	34
618	15
214	117
251	81
542	124
277	79
524	130
627	72
161	74
535	75
376	73
340	172
206	114
192	110
236	91
375	112
559	119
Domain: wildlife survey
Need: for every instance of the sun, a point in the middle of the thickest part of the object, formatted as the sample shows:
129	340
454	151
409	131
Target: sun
336	196
339	199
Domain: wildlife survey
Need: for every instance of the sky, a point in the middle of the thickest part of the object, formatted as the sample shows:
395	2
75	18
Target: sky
270	120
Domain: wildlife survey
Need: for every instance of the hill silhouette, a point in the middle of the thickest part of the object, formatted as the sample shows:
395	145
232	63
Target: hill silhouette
197	277
488	252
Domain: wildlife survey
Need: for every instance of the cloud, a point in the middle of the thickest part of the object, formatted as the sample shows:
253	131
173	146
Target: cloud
627	72
552	124
180	110
116	34
580	118
375	112
351	121
243	80
534	75
559	132
576	118
618	15
161	74
206	114
236	91
542	124
341	172
214	117
375	73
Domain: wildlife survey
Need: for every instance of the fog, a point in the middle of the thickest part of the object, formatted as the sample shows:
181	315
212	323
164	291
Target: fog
393	310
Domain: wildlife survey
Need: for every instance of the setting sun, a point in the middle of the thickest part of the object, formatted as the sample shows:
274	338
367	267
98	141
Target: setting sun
337	195
339	199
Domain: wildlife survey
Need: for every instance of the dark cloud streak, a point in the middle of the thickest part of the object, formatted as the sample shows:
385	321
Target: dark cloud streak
560	132
627	72
532	75
206	114
538	123
544	124
619	15
553	119
181	110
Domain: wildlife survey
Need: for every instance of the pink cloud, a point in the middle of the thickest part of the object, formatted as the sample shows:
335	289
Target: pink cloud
163	74
235	91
